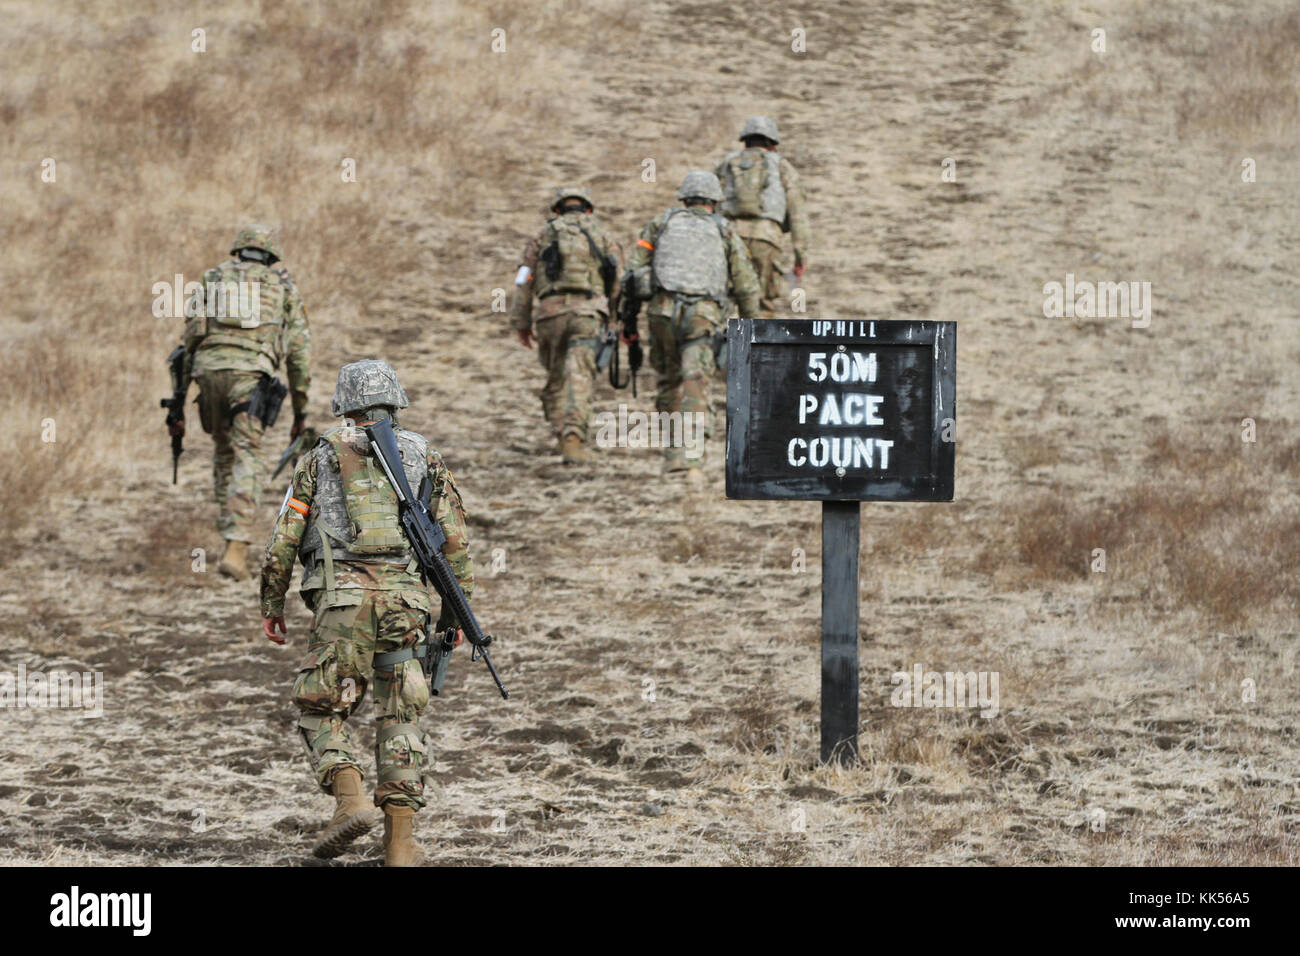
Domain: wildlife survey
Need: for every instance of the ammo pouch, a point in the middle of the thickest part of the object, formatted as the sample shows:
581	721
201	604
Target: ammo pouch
642	283
265	401
204	419
552	260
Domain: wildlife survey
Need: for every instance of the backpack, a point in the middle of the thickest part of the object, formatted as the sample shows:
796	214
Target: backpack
752	186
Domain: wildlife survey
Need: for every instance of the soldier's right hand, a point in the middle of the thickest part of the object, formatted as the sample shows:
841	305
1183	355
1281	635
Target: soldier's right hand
177	427
525	337
269	624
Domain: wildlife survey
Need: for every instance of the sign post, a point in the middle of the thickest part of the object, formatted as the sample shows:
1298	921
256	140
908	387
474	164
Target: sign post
841	411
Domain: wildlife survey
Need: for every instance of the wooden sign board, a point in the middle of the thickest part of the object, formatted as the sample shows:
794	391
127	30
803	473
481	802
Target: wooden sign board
841	409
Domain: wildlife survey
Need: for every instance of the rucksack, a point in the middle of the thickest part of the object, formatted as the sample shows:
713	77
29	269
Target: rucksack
752	186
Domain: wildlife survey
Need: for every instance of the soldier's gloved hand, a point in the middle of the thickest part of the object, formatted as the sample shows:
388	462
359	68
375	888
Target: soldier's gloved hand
525	337
298	422
269	624
177	427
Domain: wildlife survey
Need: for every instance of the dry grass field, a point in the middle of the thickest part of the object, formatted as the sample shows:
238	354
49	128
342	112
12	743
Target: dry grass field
662	651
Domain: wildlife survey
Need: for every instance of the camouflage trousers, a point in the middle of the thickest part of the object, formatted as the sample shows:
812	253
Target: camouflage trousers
566	345
771	266
237	465
349	630
681	352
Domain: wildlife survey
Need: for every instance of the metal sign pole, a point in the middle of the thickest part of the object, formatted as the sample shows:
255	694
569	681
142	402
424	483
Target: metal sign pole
840	526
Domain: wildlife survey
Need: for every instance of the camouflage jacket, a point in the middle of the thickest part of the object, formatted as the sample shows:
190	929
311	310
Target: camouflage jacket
211	347
522	313
291	526
742	279
796	213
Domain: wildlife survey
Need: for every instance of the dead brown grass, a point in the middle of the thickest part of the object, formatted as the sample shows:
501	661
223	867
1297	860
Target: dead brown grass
1245	91
1204	537
161	153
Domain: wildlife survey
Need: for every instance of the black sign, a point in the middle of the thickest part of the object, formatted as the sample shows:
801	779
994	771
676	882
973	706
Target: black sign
841	409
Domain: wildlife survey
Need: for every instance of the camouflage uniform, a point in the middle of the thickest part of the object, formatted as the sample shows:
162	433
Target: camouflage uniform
572	312
782	210
683	322
228	361
363	586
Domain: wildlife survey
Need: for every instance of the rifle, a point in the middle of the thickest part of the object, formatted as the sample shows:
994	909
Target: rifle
628	308
427	539
175	405
306	438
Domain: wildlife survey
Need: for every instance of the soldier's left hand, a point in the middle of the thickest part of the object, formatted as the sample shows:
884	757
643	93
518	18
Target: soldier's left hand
799	270
269	624
298	422
525	337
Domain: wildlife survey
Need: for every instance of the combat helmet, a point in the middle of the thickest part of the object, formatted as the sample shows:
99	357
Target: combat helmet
699	184
572	192
763	126
257	236
366	384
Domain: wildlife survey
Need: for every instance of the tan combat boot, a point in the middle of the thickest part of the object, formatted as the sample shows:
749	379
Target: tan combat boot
400	848
573	451
234	563
355	815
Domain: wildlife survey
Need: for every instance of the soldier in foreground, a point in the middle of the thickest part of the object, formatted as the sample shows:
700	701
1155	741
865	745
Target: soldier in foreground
247	322
763	201
686	263
571	267
362	582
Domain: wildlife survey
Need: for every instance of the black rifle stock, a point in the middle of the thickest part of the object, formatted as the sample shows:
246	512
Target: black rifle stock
427	539
175	405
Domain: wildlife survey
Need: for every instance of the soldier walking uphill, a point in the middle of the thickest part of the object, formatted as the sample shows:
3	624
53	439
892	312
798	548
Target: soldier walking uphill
571	267
361	580
763	201
248	320
685	263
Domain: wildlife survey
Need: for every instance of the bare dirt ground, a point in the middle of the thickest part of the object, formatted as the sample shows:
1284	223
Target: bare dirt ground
661	649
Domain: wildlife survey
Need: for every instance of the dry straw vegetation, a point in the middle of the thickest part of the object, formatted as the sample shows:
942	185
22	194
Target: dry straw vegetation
162	152
1157	693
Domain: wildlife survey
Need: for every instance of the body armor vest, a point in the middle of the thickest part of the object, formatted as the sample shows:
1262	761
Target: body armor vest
691	256
567	263
243	302
355	509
